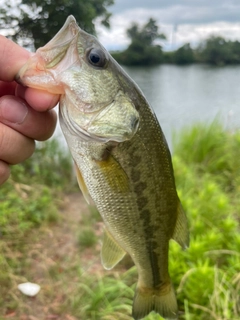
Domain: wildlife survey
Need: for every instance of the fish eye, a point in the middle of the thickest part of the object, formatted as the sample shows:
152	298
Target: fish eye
97	58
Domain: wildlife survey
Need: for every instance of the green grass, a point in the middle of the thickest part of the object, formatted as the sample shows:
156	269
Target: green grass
210	149
100	299
87	238
30	197
207	169
206	276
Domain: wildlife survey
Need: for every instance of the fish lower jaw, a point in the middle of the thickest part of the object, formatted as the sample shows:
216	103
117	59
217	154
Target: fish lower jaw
83	134
86	134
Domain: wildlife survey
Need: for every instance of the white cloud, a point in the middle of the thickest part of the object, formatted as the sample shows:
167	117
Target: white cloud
197	33
185	11
194	23
114	38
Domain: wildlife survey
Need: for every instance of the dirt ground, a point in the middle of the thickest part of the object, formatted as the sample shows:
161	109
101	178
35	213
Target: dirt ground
52	259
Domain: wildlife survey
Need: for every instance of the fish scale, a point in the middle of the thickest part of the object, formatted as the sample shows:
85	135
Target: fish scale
121	156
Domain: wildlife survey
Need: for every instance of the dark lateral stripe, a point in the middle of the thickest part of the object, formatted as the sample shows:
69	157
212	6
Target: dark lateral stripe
151	245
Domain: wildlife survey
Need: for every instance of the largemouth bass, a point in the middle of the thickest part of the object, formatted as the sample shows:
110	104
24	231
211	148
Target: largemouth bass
122	159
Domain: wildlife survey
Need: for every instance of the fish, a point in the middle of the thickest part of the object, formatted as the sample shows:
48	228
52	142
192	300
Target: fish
121	156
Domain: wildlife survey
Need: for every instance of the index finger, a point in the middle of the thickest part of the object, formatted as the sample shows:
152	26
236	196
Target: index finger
12	58
37	99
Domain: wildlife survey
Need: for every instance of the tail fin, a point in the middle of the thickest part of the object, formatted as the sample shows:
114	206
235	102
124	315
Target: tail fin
162	301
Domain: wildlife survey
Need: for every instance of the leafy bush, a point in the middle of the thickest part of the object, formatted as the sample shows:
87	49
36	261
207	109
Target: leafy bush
50	165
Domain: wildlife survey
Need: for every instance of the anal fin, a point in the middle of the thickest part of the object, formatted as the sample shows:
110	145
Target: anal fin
111	252
82	184
181	233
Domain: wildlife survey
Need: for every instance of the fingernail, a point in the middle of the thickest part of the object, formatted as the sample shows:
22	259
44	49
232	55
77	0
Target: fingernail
13	111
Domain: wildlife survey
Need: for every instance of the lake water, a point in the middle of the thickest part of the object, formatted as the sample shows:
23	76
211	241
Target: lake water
184	95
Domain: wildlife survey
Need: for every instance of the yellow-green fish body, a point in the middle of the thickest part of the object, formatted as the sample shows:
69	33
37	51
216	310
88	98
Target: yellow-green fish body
122	159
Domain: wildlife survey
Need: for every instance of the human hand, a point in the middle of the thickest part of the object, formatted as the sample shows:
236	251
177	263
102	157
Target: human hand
25	114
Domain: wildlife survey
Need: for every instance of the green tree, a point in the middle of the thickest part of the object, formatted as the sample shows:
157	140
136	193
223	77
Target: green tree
184	55
142	49
38	21
147	34
216	50
235	49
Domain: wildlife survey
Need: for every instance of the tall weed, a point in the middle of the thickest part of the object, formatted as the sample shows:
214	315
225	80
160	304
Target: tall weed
207	170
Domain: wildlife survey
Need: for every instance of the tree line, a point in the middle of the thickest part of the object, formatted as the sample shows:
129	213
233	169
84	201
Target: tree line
215	50
144	50
33	23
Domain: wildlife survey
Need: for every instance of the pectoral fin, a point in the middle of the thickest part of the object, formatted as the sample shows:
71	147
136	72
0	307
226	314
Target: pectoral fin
181	234
114	175
111	252
82	184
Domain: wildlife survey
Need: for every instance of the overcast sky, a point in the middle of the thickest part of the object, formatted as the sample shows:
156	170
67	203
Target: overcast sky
181	20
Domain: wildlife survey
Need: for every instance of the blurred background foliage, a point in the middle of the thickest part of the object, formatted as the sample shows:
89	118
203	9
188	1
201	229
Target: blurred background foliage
34	23
206	275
